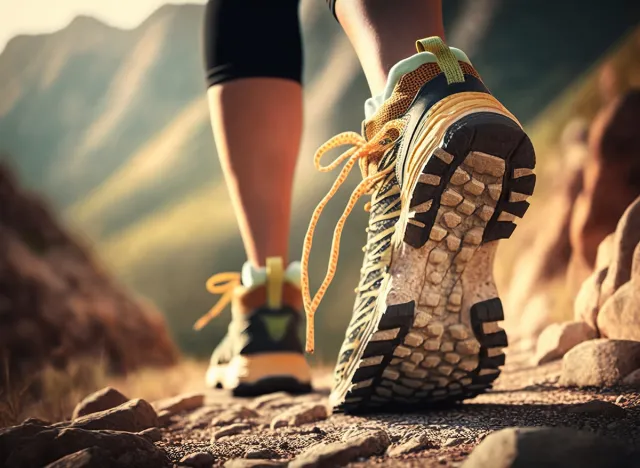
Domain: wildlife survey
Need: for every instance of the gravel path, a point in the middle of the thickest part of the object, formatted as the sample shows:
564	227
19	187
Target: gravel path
523	396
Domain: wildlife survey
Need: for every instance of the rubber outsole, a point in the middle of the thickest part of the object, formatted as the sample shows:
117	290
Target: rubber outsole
429	352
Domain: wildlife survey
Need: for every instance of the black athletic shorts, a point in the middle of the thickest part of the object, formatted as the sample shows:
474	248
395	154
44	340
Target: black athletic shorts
253	38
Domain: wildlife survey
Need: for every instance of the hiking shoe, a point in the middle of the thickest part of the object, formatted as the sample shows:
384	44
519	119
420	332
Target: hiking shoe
261	352
449	169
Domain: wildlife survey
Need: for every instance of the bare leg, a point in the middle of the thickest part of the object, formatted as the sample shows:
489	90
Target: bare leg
383	32
257	123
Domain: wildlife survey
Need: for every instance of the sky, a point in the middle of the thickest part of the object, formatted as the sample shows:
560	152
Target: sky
40	16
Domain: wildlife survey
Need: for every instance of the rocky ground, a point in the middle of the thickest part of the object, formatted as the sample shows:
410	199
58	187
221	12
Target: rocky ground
215	429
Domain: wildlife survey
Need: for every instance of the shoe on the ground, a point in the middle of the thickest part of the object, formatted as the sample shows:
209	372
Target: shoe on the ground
449	169
261	352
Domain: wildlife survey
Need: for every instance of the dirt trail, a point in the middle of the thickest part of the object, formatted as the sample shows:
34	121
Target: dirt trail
523	396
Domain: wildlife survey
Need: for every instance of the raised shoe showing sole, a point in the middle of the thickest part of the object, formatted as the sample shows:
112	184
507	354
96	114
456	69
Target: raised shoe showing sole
434	337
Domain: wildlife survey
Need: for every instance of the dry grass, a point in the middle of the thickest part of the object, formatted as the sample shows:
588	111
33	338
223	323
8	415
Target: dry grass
52	394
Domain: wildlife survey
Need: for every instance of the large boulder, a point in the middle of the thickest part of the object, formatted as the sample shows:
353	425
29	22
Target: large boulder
619	316
626	238
57	304
548	447
611	183
600	363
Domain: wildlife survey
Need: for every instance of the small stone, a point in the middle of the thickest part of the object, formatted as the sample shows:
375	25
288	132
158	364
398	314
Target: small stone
621	399
180	403
268	400
232	415
233	429
197	460
153	434
298	415
451	219
453	441
252	463
101	400
598	408
370	443
132	416
417	444
262	454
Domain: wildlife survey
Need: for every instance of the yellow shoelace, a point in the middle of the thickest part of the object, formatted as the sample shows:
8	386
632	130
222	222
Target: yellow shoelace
223	284
363	152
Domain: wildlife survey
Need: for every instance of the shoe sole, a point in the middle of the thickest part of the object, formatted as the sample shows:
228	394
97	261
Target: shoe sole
424	350
259	374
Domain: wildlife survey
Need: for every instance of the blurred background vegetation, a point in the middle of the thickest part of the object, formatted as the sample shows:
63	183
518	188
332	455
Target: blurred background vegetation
112	127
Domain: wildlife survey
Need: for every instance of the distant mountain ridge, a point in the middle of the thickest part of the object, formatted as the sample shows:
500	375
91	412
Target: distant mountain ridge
112	125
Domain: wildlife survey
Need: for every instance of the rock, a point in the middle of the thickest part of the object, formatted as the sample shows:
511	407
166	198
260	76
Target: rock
547	447
453	441
241	413
600	363
180	403
34	445
299	415
233	429
627	237
101	400
268	400
93	457
587	302
342	453
153	434
244	463
610	184
632	380
559	338
198	460
417	444
597	408
132	416
59	300
264	453
619	316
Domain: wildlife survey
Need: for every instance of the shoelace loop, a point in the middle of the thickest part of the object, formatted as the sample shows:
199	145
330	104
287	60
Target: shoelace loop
223	284
363	152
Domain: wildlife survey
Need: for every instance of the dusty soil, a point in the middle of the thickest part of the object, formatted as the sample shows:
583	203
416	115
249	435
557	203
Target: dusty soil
523	396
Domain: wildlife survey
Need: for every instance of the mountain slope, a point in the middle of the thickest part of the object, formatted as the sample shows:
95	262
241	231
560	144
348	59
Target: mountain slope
112	126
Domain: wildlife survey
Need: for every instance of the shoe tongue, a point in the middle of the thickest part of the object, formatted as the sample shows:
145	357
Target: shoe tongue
252	276
400	69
